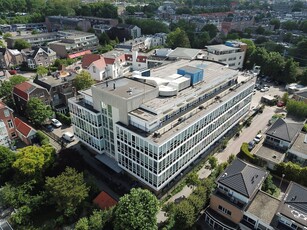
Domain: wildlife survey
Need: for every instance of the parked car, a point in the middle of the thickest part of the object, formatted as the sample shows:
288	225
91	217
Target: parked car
258	138
264	89
280	104
265	85
49	128
251	145
56	123
68	136
13	72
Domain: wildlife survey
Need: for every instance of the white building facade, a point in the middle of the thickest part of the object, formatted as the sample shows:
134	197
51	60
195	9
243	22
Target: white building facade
232	54
153	137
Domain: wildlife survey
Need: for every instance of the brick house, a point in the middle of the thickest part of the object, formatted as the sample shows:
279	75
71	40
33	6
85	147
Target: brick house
23	92
7	125
39	56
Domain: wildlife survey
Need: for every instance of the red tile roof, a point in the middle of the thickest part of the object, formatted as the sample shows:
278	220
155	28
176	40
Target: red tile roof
100	64
79	54
104	200
138	59
88	59
22	127
2	105
23	89
109	61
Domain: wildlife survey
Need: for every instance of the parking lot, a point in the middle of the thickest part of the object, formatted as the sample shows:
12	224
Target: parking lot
61	130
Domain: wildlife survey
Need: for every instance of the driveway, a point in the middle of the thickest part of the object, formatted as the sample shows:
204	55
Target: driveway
60	131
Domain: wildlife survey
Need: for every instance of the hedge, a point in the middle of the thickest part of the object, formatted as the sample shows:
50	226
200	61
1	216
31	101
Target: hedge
43	139
246	152
63	118
292	172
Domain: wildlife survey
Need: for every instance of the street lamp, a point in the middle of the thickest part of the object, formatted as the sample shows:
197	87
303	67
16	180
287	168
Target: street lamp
282	177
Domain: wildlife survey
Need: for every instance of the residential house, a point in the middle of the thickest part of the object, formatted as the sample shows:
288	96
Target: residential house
231	53
23	92
9	58
236	188
237	22
34	39
292	211
74	44
55	23
298	151
89	59
39	56
7	126
25	132
138	62
282	134
109	66
124	32
60	87
300	95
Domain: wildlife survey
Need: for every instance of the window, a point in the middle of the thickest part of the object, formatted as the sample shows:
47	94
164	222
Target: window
6	113
94	69
13	135
224	210
10	123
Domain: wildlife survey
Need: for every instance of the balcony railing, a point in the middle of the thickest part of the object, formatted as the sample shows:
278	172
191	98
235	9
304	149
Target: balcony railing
231	199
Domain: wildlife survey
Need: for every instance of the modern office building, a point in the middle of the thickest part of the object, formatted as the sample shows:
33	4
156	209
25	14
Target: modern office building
155	127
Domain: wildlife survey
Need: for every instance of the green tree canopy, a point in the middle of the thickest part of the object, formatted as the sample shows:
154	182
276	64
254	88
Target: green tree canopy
178	38
21	44
137	210
297	108
7	35
67	191
184	215
275	22
83	80
2	44
7	158
82	224
37	111
211	29
41	71
33	160
149	26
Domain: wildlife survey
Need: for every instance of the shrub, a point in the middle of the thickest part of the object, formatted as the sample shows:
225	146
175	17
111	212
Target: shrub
212	161
292	172
305	128
63	118
43	139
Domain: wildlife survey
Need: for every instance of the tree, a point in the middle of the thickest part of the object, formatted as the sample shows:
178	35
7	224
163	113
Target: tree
260	30
41	71
276	23
7	158
7	35
137	210
303	77
37	111
82	224
2	44
184	215
297	108
21	44
192	179
290	71
104	39
7	86
99	218
250	49
67	191
268	186
212	161
33	160
177	38
289	25
211	29
83	80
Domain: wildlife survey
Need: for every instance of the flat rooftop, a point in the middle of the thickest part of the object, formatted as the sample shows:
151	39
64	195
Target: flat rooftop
125	87
52	80
34	36
214	74
264	206
300	145
270	155
222	47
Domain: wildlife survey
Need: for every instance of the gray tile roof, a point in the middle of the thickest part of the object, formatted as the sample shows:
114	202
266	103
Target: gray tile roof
285	129
242	177
294	204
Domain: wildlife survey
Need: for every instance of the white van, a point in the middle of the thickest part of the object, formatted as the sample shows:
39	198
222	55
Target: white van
68	136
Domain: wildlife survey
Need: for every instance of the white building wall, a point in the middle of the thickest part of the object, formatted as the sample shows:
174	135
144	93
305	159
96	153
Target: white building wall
4	136
233	60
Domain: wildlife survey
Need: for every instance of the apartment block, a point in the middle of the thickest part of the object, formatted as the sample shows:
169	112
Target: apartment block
155	127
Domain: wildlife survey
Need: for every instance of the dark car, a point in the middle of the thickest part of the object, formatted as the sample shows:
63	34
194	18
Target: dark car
13	72
280	104
251	145
49	128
